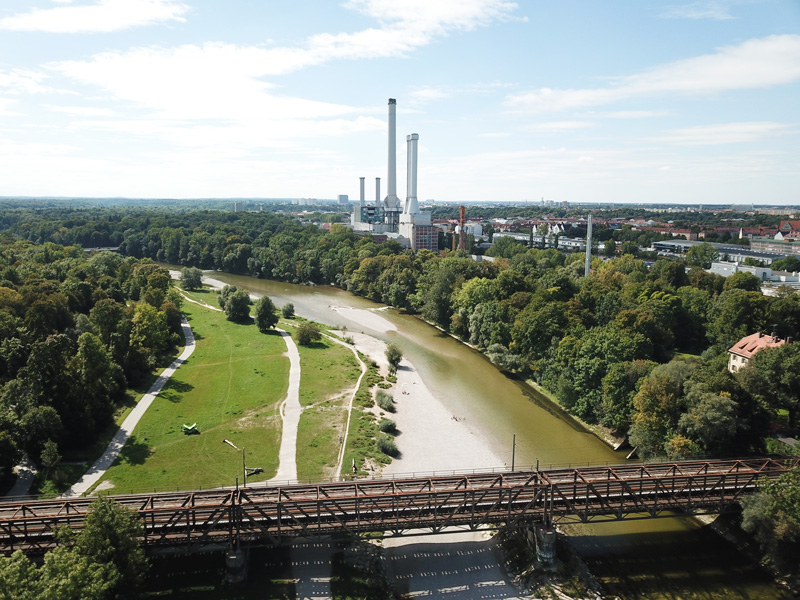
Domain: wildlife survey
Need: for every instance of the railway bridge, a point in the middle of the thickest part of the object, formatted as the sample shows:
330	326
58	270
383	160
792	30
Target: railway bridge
267	514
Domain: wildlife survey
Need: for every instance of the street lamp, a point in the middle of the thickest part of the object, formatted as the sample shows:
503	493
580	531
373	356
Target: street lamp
244	469
253	470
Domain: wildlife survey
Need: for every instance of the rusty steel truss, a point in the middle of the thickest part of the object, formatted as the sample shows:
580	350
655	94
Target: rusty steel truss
397	505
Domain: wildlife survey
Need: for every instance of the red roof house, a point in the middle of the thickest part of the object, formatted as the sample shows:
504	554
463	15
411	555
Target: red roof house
743	350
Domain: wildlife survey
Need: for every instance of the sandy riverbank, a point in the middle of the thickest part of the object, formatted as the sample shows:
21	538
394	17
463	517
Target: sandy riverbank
455	565
431	438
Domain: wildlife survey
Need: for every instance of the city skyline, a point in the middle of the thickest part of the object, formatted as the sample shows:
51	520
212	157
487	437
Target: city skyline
662	102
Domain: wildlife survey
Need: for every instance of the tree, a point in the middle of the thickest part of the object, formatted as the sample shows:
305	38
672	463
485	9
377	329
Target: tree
191	278
149	334
743	281
287	310
102	562
266	314
394	355
50	456
609	247
701	255
790	263
307	334
237	306
773	517
111	536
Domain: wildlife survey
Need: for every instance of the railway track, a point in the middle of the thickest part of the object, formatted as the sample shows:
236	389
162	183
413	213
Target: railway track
397	505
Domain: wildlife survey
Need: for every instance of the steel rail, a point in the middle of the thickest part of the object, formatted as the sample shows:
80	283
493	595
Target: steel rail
473	501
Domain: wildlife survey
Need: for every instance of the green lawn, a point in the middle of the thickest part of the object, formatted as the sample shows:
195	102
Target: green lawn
231	387
329	372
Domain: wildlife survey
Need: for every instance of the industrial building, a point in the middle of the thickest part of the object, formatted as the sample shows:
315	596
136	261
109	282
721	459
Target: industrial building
411	227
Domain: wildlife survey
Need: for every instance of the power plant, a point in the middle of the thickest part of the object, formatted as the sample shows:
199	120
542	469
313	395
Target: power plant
411	227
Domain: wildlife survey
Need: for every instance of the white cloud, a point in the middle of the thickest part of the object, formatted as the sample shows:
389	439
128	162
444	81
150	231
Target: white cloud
437	16
22	81
82	111
219	81
103	16
756	63
427	94
558	126
719	10
727	133
635	114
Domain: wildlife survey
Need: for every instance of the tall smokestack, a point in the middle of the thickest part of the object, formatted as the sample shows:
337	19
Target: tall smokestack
588	247
377	191
412	207
361	196
391	179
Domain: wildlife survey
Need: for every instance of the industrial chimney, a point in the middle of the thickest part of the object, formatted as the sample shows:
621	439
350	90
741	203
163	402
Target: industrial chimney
377	192
361	195
588	247
392	201
412	207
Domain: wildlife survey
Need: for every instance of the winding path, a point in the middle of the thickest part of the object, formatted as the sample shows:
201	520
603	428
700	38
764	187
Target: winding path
290	413
101	465
290	408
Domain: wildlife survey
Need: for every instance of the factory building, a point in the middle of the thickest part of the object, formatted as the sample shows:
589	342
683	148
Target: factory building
410	226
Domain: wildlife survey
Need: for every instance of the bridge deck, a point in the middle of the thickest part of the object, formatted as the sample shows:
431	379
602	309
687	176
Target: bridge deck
475	500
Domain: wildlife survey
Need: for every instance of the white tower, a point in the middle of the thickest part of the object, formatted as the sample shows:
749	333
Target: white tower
588	247
391	203
412	206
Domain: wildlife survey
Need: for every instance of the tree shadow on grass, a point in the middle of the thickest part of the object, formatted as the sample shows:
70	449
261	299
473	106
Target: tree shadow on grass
174	390
134	452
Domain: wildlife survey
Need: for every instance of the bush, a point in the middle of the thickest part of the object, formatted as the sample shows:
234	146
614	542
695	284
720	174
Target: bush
393	355
307	334
385	401
387	426
191	278
287	310
386	445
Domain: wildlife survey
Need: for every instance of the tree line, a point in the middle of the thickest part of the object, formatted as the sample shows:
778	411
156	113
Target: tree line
76	331
601	344
640	349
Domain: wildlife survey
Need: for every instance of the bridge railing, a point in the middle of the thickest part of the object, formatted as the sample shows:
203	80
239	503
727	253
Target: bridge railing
642	490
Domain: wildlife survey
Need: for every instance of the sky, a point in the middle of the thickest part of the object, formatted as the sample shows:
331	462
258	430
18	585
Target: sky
694	102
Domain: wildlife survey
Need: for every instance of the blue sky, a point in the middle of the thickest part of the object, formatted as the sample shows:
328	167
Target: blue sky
577	100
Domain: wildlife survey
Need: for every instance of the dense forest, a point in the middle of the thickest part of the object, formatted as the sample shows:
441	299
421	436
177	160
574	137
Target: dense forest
75	332
638	349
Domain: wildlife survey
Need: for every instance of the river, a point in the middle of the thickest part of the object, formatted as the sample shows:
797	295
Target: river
647	559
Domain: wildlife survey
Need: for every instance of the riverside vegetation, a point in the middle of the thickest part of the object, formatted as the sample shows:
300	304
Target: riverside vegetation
638	349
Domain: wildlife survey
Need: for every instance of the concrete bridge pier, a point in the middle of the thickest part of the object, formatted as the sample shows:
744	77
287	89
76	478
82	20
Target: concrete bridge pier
542	539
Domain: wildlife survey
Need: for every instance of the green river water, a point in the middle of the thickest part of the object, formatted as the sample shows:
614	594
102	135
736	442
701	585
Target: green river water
675	558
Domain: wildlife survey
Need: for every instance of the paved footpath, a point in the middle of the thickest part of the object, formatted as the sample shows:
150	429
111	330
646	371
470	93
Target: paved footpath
290	412
98	469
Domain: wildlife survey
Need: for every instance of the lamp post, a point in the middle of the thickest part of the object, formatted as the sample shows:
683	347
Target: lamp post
244	469
513	451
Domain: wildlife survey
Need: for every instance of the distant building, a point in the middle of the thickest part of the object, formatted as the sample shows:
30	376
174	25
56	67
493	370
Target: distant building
743	350
409	226
778	245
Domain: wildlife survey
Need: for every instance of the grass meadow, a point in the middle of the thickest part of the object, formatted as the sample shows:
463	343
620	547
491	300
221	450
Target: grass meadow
232	387
329	372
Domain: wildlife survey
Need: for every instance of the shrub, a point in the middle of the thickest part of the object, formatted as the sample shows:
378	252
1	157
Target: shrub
386	445
394	355
307	334
387	426
287	310
385	401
